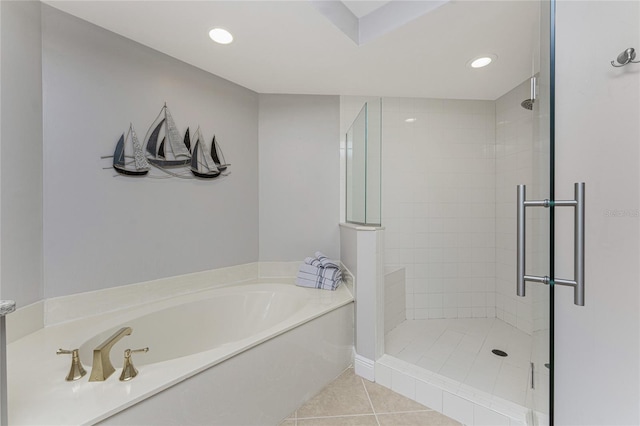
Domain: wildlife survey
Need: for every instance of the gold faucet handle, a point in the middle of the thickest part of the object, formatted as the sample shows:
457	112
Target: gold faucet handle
77	370
128	369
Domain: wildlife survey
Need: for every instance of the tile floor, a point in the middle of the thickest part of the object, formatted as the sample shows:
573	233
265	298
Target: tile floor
351	400
460	349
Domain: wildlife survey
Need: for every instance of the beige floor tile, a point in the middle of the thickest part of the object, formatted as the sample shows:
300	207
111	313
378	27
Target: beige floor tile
340	421
288	422
419	418
386	401
344	396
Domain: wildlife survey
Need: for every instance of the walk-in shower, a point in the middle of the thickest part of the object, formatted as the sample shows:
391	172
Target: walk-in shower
449	216
450	168
449	173
446	195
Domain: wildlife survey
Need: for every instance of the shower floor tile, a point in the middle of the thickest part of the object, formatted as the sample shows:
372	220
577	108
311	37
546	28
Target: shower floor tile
460	349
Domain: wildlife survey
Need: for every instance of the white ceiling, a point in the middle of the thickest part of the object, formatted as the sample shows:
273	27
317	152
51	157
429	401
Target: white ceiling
362	8
289	47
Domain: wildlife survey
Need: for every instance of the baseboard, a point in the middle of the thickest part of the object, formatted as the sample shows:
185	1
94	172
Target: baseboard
364	367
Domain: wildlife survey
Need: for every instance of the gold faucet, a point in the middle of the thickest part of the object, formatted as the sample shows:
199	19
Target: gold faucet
77	370
102	367
128	370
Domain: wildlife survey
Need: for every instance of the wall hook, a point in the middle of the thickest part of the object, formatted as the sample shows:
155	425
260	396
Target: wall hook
626	57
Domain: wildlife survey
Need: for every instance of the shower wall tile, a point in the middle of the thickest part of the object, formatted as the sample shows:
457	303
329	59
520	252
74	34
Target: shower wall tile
394	298
439	204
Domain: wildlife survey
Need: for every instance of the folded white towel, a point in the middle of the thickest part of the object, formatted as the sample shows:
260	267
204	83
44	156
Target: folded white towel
302	282
326	262
312	261
331	273
323	281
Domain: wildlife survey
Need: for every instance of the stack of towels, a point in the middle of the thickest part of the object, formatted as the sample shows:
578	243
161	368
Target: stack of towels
319	272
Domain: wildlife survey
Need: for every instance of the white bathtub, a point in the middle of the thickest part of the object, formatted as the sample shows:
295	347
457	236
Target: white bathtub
243	354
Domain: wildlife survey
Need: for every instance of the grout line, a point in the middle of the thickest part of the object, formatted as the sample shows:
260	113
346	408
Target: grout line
370	402
407	412
335	417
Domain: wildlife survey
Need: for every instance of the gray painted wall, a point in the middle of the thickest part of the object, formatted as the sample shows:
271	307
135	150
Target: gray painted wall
21	153
299	176
80	86
102	231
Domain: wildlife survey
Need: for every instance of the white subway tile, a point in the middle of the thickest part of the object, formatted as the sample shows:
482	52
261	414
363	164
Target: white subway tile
436	313
451	312
421	313
435	300
464	313
479	312
403	384
486	417
464	300
429	395
457	408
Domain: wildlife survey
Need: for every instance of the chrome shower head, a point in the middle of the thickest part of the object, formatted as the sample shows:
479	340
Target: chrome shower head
527	104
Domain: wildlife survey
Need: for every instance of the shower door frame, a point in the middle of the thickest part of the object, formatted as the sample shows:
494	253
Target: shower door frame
547	37
552	97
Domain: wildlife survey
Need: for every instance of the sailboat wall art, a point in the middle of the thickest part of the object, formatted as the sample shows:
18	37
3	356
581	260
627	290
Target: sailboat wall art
165	153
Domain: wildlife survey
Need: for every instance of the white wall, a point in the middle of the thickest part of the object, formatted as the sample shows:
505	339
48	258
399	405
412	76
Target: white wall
21	153
597	352
299	176
103	231
439	204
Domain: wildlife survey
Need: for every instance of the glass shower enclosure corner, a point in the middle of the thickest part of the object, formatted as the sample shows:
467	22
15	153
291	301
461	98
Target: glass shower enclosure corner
364	166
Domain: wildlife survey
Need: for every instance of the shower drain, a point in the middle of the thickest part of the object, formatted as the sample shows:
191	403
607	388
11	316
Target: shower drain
499	352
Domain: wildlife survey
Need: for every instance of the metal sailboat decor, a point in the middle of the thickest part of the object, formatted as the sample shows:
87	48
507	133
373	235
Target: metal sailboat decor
217	155
166	154
202	164
139	166
172	151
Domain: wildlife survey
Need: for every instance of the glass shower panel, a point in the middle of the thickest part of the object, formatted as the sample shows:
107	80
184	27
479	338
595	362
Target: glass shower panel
363	166
356	168
374	162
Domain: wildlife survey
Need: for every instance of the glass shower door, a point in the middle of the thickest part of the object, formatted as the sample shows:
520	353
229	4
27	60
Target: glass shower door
538	248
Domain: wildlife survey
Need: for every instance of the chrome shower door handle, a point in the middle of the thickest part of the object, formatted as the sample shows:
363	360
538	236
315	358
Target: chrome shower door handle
579	242
521	243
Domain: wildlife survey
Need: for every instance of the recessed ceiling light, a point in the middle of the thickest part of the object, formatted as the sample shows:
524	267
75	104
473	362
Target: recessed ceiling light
221	36
481	61
410	120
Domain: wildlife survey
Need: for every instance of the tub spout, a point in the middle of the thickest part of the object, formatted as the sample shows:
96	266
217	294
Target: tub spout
102	367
